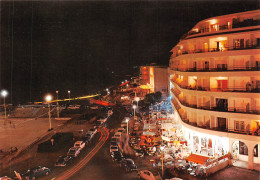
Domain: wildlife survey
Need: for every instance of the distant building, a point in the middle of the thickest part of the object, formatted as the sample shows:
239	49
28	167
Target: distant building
154	78
215	85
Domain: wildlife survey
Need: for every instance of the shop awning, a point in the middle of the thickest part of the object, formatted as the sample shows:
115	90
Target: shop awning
197	158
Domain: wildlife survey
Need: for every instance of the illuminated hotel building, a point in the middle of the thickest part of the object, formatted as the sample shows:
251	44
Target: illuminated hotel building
215	84
154	78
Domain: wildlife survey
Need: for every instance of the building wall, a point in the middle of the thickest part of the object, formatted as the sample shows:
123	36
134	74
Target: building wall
161	80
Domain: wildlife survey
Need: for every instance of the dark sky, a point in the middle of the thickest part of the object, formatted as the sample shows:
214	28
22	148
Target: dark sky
54	45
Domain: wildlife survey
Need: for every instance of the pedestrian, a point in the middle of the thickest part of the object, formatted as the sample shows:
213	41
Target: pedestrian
13	125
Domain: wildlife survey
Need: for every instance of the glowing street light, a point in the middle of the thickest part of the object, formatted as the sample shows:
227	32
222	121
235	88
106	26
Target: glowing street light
127	120
69	95
58	113
134	107
48	99
162	148
137	99
4	93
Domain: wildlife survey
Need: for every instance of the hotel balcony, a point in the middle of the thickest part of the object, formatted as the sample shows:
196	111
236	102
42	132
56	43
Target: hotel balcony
200	88
231	48
221	68
244	110
206	126
221	28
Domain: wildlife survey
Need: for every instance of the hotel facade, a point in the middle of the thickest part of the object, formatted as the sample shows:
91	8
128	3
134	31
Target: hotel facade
215	85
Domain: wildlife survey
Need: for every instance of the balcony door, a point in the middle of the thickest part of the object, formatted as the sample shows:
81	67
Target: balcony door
222	123
206	65
221	104
222	85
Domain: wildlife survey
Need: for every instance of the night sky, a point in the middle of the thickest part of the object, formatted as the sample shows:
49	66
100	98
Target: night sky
54	45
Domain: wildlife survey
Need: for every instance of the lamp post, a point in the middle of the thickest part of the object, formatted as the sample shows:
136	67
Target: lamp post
162	158
134	107
137	99
48	99
4	93
58	113
69	95
127	120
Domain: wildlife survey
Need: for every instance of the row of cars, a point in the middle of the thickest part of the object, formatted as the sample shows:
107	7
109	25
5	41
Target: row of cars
64	160
76	149
127	163
116	154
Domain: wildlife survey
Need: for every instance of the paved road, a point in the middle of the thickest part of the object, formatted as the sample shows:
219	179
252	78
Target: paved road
103	138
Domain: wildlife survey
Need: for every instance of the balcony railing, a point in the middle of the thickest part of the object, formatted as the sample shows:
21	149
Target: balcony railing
236	24
231	48
218	69
207	126
233	89
220	108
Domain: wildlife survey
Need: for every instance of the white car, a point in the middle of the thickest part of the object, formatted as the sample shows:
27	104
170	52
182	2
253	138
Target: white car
79	144
124	124
117	134
113	148
120	130
73	152
93	131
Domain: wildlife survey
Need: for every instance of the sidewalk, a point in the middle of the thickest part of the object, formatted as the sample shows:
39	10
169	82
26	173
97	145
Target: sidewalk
244	164
24	133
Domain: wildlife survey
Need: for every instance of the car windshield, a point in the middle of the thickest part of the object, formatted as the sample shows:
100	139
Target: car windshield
92	130
114	147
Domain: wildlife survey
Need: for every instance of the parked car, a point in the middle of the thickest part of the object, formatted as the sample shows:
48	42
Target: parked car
36	172
63	161
146	175
113	144
73	152
117	156
121	130
117	135
115	139
113	148
88	137
128	164
79	144
93	131
123	124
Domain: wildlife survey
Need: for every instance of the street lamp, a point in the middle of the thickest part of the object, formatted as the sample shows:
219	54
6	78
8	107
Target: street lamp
162	148
69	95
127	120
137	99
134	107
48	99
4	93
58	113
